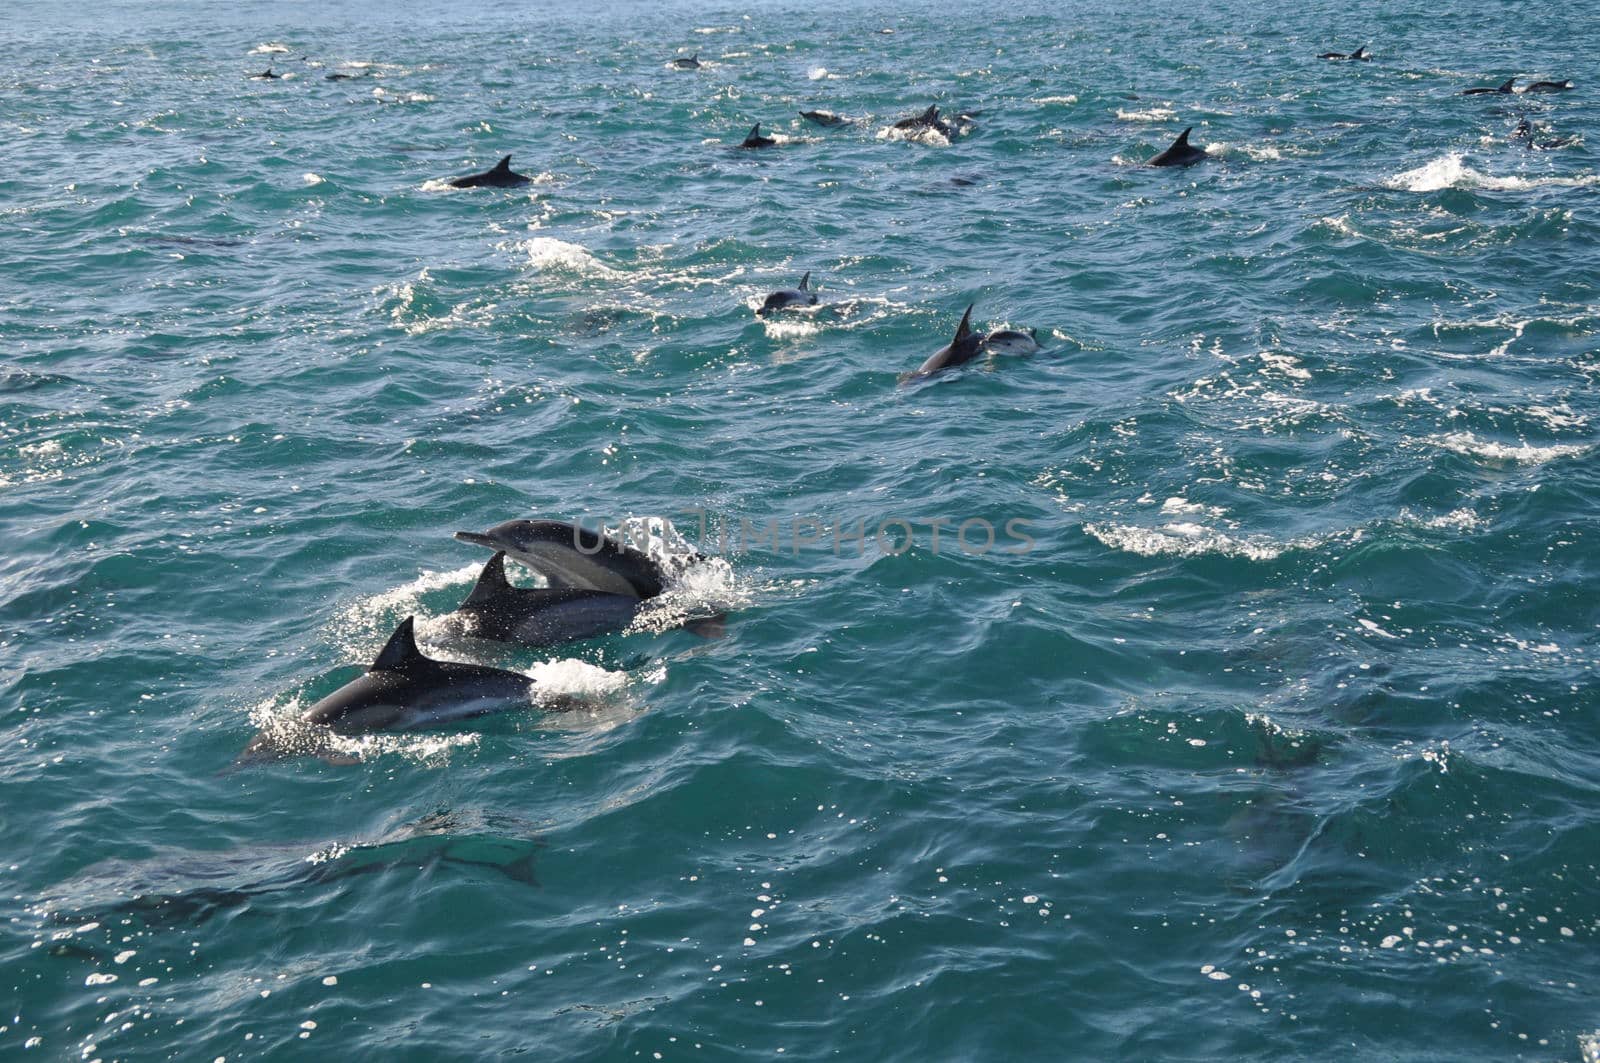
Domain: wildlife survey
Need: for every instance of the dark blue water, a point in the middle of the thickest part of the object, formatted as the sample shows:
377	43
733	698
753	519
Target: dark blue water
1271	734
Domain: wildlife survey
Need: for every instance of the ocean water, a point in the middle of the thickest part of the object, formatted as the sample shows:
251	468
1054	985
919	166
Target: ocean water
1271	734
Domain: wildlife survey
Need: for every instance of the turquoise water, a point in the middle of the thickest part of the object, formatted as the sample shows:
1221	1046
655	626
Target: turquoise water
1278	739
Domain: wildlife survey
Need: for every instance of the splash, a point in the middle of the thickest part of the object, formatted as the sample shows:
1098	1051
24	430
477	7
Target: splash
1452	171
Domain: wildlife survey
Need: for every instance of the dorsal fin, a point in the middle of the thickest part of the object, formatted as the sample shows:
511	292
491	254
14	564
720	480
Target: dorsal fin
503	166
1359	52
755	132
695	58
964	329
1183	138
931	114
805	281
1507	86
491	583
400	652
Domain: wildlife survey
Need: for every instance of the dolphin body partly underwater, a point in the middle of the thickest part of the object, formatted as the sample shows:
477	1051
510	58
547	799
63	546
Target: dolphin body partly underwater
800	295
501	176
596	585
1181	153
540	616
402	691
964	347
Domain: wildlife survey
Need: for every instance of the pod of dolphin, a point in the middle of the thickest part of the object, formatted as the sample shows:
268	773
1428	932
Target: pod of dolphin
595	584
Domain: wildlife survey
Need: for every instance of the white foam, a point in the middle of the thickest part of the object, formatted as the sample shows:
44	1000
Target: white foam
311	178
546	254
1059	101
270	49
1154	114
1189	540
1471	446
920	135
1452	171
817	73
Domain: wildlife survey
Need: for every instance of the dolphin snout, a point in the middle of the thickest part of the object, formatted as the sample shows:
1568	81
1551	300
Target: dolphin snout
478	539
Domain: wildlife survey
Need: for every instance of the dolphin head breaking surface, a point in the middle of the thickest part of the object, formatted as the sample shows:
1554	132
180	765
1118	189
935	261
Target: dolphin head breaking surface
800	295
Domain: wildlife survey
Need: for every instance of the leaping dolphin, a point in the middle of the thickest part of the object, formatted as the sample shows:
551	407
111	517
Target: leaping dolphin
402	691
570	555
502	176
1181	153
800	295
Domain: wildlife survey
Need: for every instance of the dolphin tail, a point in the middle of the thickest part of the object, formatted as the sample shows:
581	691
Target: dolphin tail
804	281
964	329
491	583
503	166
400	651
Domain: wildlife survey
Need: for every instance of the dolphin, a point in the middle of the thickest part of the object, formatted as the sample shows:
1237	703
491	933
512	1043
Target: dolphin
963	348
1549	86
928	119
1503	89
800	295
691	63
1359	54
825	118
1526	133
265	75
756	140
340	77
1182	153
570	555
532	616
403	691
1012	341
502	176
